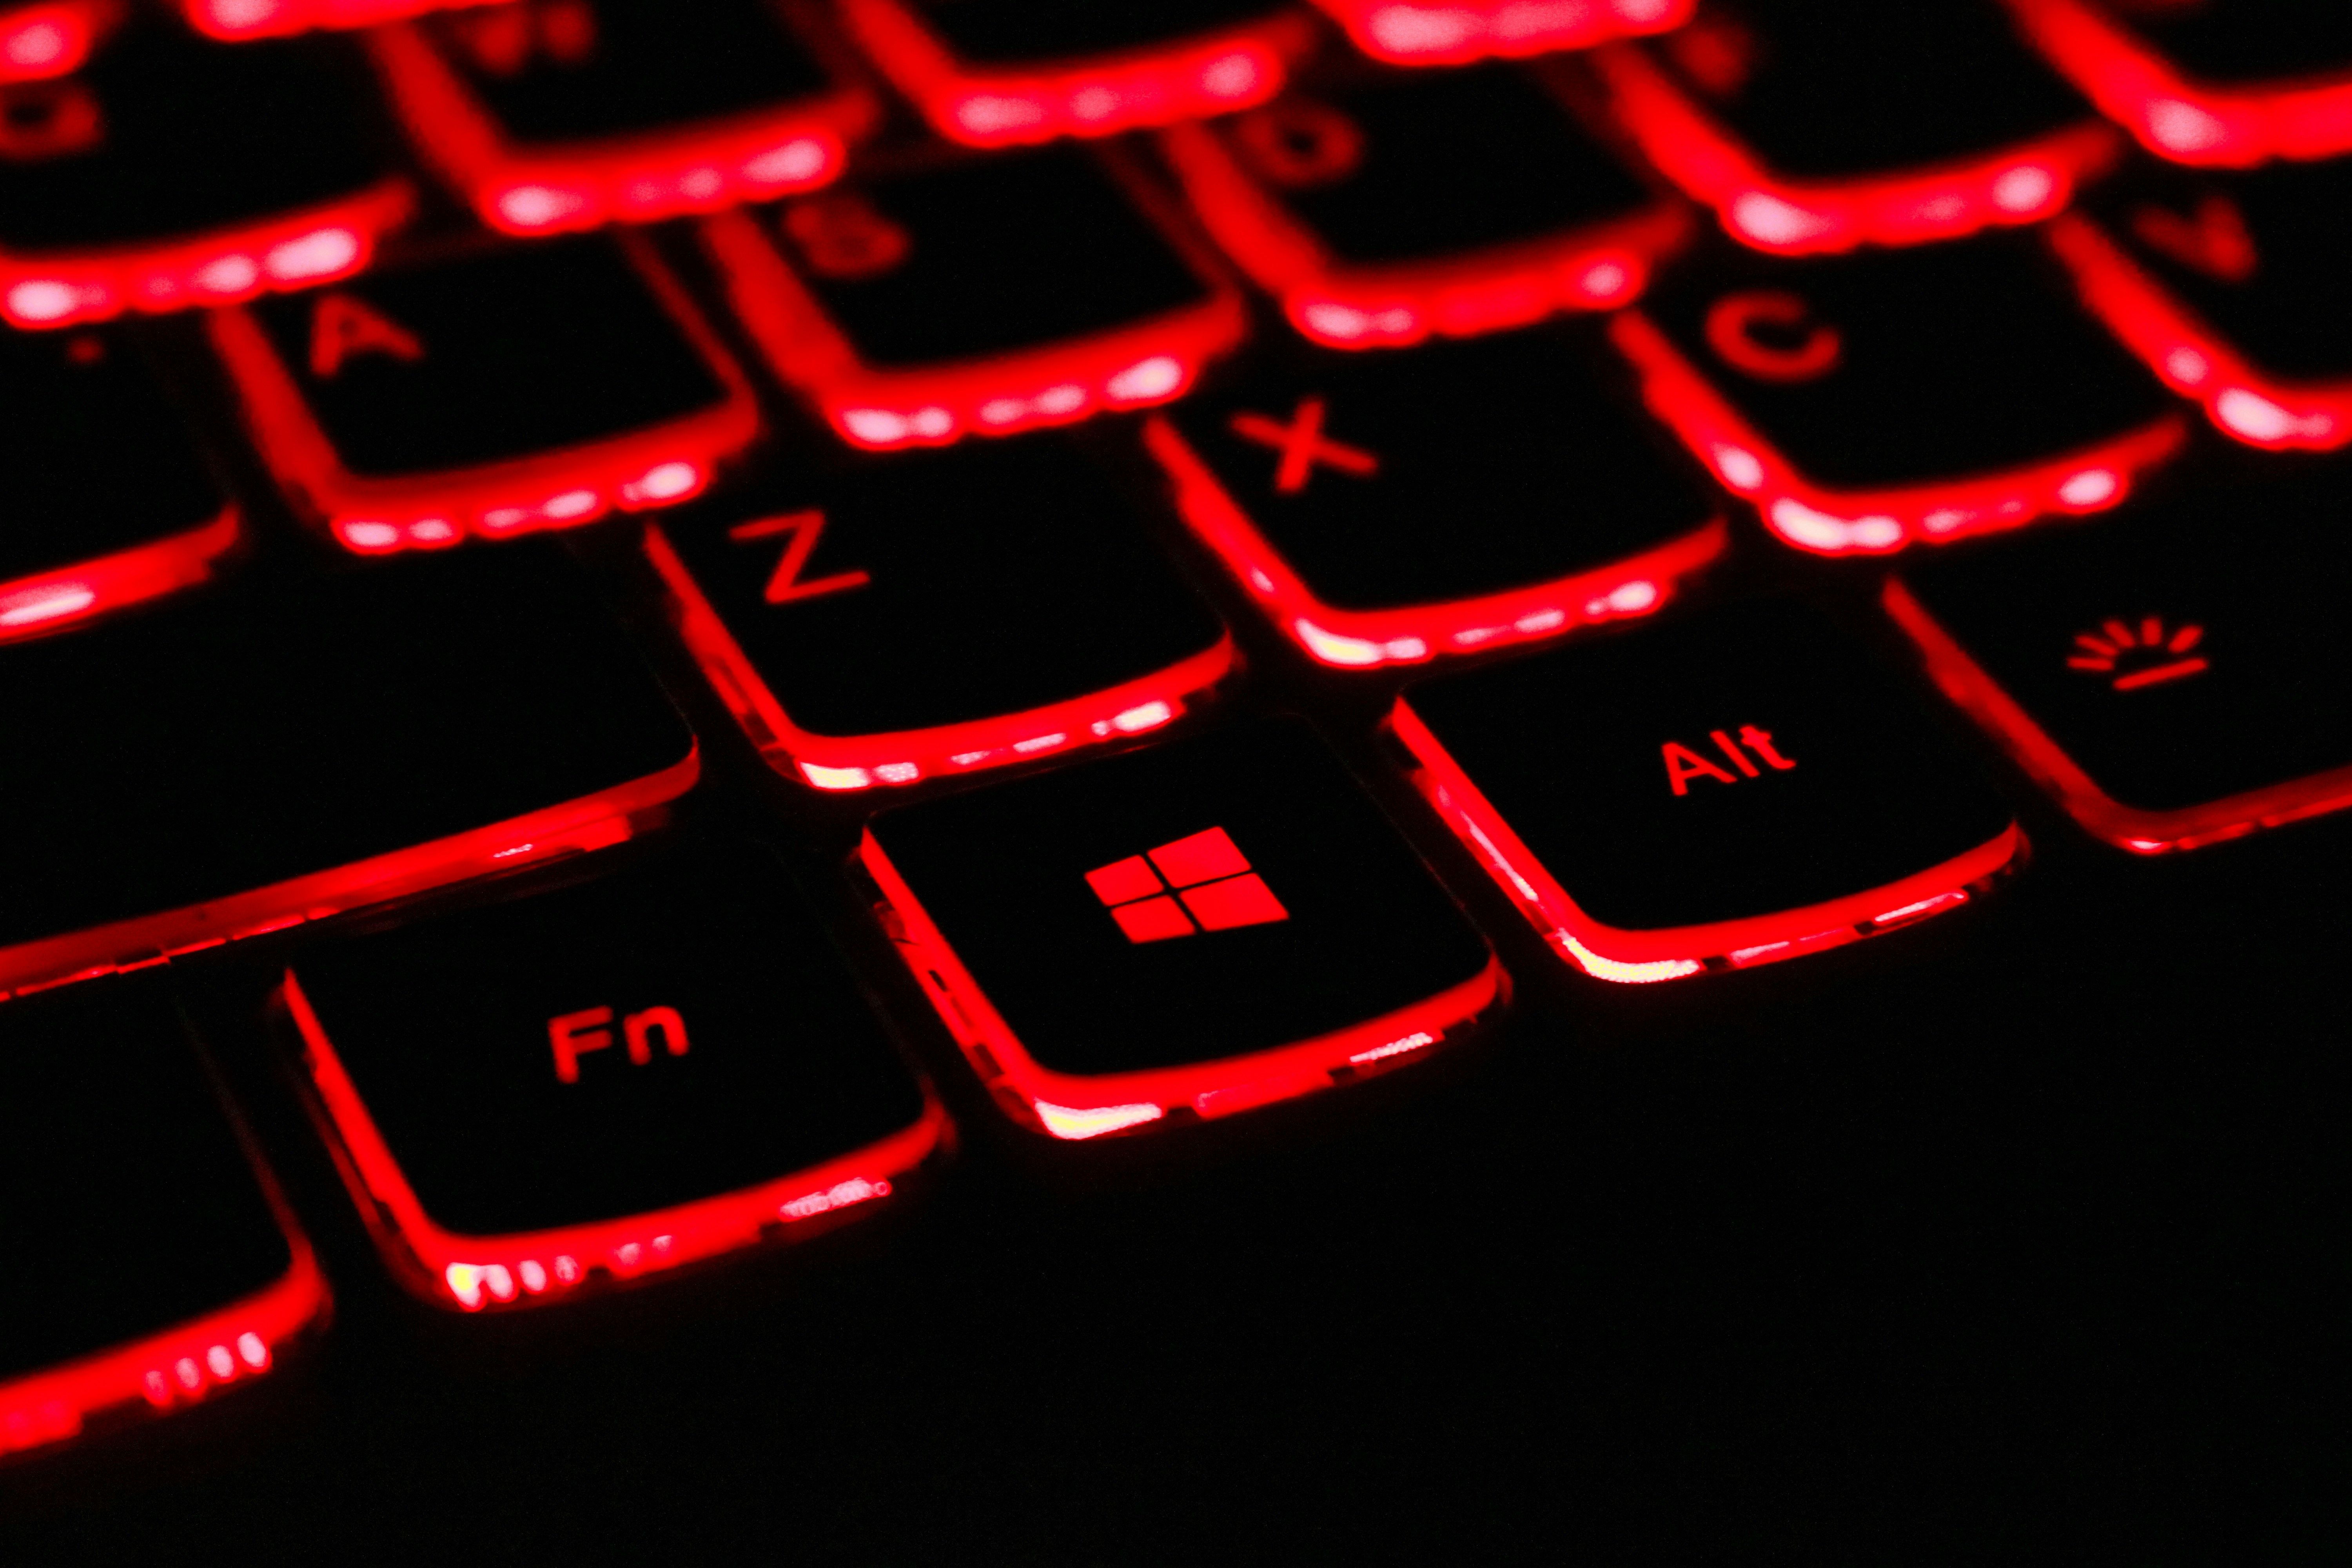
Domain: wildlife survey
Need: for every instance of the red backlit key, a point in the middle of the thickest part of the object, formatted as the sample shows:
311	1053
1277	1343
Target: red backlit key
992	72
511	389
240	19
2174	677
1030	288
1864	403
1453	32
172	171
1812	125
2230	287
556	114
596	1082
1451	202
1184	931
1711	794
111	502
231	763
51	37
2200	82
938	611
1390	508
151	1263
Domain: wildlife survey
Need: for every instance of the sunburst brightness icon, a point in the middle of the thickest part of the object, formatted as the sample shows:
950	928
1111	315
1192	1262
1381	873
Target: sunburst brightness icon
2142	655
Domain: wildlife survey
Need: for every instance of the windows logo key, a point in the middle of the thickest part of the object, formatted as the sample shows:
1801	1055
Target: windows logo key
1202	882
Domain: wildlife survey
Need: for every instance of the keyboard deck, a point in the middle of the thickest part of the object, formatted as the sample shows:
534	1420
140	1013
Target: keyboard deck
1312	781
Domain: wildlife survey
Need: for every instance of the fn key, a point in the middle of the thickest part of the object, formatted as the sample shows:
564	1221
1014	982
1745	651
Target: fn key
1711	794
599	1081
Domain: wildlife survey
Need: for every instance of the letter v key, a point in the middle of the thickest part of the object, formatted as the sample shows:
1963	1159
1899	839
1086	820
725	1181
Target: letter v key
805	526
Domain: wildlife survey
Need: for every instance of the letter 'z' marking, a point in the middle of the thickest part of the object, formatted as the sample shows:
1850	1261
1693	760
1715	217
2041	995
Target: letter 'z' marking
805	528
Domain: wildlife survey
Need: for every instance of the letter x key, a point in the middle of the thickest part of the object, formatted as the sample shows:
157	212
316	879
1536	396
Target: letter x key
1302	445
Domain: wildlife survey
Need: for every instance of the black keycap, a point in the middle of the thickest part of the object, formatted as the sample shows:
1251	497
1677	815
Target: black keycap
2230	287
938	612
607	1078
2203	83
1453	202
240	760
1464	30
1387	508
988	72
110	502
1187	930
990	295
510	389
151	1265
2174	676
1821	124
554	114
1722	792
173	171
1866	402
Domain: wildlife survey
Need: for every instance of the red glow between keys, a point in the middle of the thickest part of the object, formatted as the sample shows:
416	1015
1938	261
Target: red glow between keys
1454	32
1073	1107
1223	71
2019	184
173	1369
1353	307
2177	118
1363	640
530	1268
292	251
693	169
1834	522
1151	363
904	757
2142	832
592	821
32	605
1645	957
235	20
2193	359
38	42
662	466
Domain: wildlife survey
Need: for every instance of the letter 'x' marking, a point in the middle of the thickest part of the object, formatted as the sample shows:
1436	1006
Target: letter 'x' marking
1302	445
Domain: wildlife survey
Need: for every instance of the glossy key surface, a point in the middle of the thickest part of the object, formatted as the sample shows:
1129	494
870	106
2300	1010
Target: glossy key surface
524	386
1402	203
934	612
1734	787
110	500
1898	394
2175	674
153	1268
238	759
1189	929
611	1076
565	113
1392	506
2246	43
987	294
2230	284
172	171
1008	32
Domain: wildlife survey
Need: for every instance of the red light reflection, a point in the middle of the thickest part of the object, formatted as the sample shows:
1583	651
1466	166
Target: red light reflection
2177	116
1212	74
1076	1107
1454	32
1364	639
49	600
1834	522
2019	185
1645	957
907	757
475	1272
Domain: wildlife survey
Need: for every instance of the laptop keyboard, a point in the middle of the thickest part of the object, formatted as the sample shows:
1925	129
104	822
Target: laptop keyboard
1104	577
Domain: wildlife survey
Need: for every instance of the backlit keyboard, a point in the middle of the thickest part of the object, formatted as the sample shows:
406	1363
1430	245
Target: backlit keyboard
1301	780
